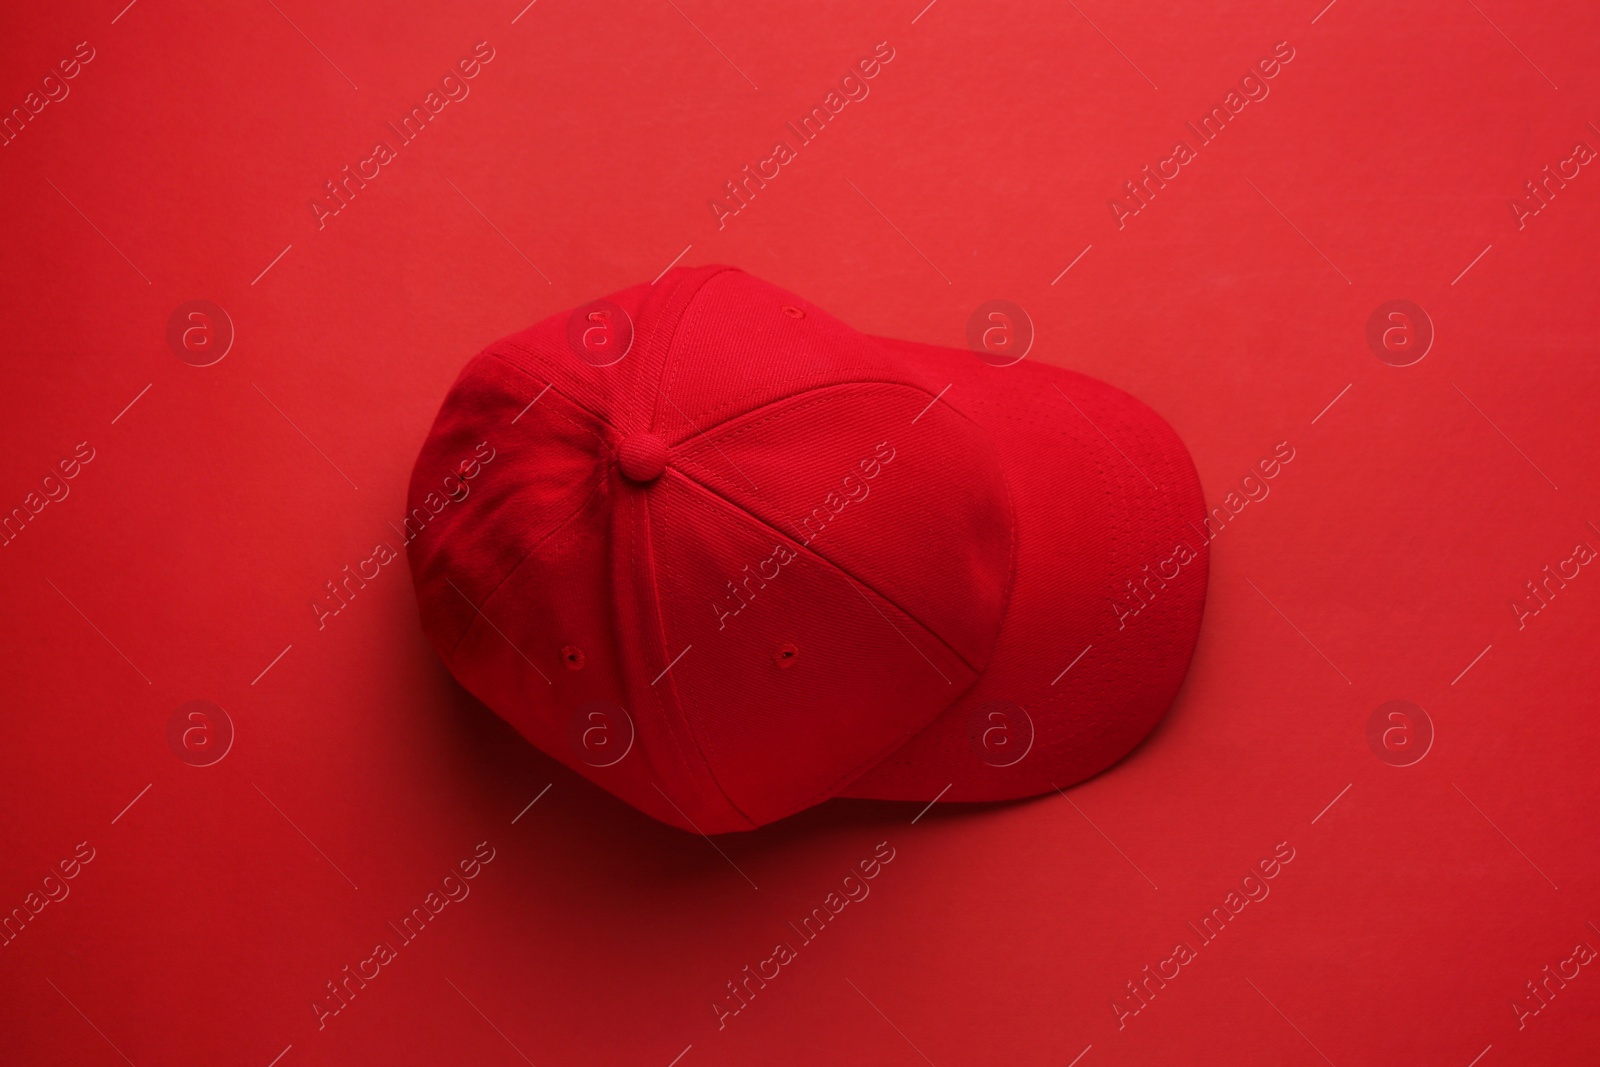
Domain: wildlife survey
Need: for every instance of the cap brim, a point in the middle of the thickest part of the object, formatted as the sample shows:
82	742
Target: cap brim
1110	556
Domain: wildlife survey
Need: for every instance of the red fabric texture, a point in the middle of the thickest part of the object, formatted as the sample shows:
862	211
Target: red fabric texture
764	559
1106	495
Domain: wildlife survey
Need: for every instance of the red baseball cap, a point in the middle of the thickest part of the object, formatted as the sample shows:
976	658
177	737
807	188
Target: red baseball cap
727	557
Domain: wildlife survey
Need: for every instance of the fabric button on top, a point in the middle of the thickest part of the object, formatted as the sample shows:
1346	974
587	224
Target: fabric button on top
642	456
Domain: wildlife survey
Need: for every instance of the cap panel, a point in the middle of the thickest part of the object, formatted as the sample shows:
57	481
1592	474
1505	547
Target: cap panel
554	412
495	477
791	676
512	655
743	343
621	393
904	495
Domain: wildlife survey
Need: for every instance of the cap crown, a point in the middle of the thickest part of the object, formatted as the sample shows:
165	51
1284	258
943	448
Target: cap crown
724	575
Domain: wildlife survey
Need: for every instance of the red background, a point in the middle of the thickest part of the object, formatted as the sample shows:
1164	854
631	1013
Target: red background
1384	160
